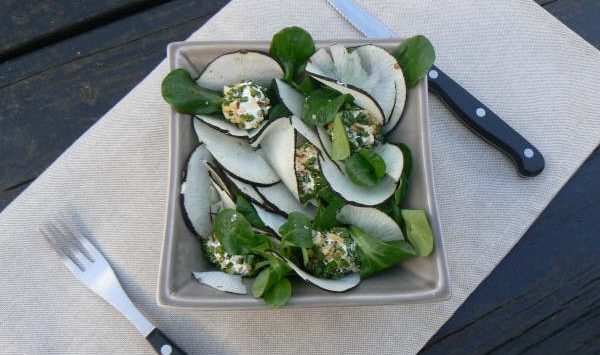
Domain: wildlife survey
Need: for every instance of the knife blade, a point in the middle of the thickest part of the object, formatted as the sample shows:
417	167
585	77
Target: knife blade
470	111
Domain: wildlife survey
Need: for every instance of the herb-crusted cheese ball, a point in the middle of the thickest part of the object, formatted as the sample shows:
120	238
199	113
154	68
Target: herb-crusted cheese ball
309	177
245	104
242	265
333	254
361	128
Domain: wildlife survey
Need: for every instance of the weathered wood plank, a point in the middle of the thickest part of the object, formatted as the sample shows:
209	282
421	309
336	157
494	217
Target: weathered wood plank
27	25
81	88
582	16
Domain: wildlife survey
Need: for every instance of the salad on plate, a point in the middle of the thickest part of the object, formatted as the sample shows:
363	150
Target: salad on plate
294	174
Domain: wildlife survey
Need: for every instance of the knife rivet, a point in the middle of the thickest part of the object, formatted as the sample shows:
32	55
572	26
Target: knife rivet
166	349
528	153
480	112
433	74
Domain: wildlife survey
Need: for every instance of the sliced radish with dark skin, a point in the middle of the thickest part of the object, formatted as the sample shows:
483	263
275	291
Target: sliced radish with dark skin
383	66
361	97
236	156
390	68
393	158
226	198
291	98
256	136
355	194
368	67
309	133
279	150
222	281
334	285
220	186
325	141
321	63
195	193
272	220
280	198
223	126
234	68
371	221
246	190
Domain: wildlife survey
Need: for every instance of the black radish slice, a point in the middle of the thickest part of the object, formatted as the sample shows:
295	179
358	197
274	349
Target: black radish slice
335	285
355	194
256	136
309	133
394	160
226	199
361	97
321	63
291	98
371	221
282	200
233	68
369	68
223	126
272	220
195	193
246	189
225	195
222	281
279	150
325	141
236	156
390	90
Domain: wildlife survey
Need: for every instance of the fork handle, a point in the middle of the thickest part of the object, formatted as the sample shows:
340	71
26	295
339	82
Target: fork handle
162	344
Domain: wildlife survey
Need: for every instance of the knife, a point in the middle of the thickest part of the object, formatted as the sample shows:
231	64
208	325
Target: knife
472	112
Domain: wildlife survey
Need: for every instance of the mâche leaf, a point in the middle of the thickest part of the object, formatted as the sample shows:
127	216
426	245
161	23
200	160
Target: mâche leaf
292	46
245	208
321	106
365	167
407	154
330	204
339	140
235	233
402	189
415	55
278	111
182	92
418	231
278	295
262	282
297	231
376	255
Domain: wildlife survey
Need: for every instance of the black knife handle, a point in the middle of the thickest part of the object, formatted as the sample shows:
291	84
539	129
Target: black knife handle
162	344
486	123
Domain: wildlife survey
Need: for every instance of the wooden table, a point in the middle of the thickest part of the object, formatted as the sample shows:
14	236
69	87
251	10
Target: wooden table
62	66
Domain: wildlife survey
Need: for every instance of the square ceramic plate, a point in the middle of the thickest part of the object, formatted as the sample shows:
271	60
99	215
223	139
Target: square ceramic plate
415	280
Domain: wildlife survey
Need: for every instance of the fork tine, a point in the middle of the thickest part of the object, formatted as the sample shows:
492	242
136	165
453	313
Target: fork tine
80	243
68	247
89	247
60	250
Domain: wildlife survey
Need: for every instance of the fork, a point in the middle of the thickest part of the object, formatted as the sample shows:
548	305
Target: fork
88	264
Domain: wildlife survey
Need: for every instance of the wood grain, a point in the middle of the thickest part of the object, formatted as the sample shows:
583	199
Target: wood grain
49	97
28	24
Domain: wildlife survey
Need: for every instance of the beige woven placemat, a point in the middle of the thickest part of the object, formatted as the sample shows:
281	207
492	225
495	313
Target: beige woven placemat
530	69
